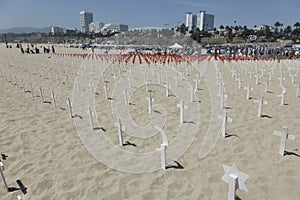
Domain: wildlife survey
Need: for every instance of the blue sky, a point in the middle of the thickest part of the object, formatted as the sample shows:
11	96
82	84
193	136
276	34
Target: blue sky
142	13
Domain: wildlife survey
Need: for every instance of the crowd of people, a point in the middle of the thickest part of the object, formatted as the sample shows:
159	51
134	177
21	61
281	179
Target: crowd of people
32	48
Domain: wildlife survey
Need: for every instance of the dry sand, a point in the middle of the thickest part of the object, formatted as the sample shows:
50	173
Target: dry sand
46	153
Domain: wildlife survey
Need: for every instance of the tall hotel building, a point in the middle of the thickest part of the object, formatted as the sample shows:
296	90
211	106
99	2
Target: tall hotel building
85	19
191	21
203	21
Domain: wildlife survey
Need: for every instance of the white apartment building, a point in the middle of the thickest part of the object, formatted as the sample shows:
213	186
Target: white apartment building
114	28
85	19
96	27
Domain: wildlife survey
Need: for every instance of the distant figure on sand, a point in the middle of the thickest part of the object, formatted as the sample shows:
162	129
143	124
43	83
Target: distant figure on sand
53	50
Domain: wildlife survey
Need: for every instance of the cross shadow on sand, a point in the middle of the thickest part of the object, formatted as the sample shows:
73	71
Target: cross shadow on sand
289	153
177	165
21	187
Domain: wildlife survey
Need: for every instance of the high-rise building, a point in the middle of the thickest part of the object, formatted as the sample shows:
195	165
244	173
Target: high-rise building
191	21
85	19
205	22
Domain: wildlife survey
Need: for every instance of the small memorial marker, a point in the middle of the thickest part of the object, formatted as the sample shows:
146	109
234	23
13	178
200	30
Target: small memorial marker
182	107
150	101
42	95
70	107
298	90
125	97
163	147
106	90
236	180
282	95
120	129
224	119
91	117
53	99
31	90
284	136
260	104
2	175
167	88
248	89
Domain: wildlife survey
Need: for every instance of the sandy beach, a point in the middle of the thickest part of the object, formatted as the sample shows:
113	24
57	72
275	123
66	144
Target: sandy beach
58	157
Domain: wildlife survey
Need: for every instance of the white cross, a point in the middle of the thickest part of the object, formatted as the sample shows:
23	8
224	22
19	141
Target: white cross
120	129
257	78
267	85
70	107
125	97
248	88
284	136
167	88
182	107
196	84
297	91
192	93
236	180
2	175
282	95
150	101
31	89
129	81
224	119
53	99
163	146
260	104
42	95
91	117
106	90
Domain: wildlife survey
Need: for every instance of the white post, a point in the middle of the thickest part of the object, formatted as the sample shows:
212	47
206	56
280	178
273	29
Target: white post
182	107
167	88
67	80
125	97
70	107
163	155
78	83
284	136
106	91
256	80
23	84
129	81
31	89
53	100
298	89
248	88
42	95
176	80
120	129
196	84
2	175
192	93
232	187
150	100
19	197
91	118
267	85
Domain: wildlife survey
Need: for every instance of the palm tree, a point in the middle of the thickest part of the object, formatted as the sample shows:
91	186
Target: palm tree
297	25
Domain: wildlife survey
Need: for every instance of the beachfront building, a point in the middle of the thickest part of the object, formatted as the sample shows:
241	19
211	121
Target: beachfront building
205	22
95	27
190	21
56	30
85	19
114	28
